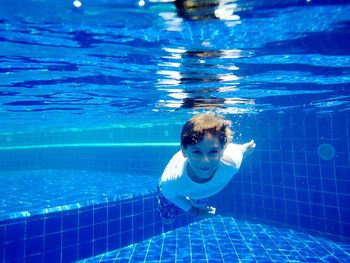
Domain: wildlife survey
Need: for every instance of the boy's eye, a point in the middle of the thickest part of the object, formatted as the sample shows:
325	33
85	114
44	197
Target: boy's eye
214	152
196	152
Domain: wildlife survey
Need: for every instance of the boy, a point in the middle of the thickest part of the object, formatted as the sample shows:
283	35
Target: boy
204	166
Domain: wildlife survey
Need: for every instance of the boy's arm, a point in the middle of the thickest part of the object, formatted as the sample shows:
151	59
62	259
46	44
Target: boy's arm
182	202
185	204
234	153
204	211
248	148
194	211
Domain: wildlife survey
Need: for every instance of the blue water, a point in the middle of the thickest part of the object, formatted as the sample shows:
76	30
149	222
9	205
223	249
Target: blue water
92	101
96	65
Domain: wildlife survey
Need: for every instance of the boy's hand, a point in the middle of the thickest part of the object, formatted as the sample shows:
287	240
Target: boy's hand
248	148
207	211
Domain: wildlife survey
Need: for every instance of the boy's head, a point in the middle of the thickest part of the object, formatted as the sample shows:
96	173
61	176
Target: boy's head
200	125
203	140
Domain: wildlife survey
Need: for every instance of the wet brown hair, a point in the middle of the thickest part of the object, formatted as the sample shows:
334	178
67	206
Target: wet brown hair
198	126
195	3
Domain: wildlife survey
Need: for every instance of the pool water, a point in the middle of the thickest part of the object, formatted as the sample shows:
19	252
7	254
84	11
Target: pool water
92	100
87	67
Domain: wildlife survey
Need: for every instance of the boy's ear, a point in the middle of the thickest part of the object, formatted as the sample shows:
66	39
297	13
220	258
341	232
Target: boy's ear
183	150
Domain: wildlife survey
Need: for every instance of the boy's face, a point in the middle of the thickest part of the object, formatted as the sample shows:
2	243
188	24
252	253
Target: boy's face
204	157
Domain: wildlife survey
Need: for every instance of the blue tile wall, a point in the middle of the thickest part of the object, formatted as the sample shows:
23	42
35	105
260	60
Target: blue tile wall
51	172
285	180
74	234
121	159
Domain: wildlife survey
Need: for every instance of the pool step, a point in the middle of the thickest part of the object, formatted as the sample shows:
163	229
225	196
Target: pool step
224	239
78	233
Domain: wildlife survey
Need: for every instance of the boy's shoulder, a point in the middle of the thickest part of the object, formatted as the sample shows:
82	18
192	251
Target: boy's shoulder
232	155
175	167
233	147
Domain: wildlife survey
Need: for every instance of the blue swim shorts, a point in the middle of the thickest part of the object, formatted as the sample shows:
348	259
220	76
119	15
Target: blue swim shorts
168	211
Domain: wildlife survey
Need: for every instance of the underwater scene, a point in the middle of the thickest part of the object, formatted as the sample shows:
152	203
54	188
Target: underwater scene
94	97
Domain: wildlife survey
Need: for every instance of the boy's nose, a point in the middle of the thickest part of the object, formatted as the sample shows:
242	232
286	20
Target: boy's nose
205	158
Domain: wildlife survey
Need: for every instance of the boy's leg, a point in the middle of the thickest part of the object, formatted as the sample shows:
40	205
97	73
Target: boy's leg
200	202
166	209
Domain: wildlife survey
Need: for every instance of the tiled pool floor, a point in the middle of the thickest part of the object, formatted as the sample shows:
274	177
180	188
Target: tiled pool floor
225	239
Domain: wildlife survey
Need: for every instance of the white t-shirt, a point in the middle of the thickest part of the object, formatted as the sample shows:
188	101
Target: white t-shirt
180	189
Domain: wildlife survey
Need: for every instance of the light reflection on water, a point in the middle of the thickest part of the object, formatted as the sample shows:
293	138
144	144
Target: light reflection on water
153	62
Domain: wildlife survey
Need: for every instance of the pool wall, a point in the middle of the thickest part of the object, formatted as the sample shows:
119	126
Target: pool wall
69	235
77	231
111	158
286	181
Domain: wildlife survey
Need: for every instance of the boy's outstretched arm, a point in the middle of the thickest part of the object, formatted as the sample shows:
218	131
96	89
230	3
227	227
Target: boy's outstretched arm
248	148
204	211
235	153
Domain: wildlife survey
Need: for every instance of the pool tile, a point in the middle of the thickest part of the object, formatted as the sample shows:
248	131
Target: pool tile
225	239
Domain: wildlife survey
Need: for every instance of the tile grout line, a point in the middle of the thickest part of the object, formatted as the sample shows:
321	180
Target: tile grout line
132	253
245	242
162	247
320	244
148	248
302	241
279	248
216	239
258	240
203	241
227	232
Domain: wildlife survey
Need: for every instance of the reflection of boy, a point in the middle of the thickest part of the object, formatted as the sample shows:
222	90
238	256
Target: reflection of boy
204	166
197	9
